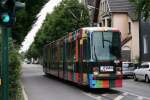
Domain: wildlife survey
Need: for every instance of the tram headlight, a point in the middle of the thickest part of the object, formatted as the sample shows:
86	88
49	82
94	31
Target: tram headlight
95	70
118	72
116	61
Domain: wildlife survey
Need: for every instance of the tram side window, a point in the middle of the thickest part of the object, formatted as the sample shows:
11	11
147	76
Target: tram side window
73	44
55	57
50	56
115	49
80	50
44	57
68	49
86	49
61	53
61	56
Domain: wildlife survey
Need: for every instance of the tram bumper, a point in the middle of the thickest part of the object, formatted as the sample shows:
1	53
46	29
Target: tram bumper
104	82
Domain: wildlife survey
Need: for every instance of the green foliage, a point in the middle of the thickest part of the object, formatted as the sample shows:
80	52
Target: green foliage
32	52
25	18
67	17
142	8
14	73
15	91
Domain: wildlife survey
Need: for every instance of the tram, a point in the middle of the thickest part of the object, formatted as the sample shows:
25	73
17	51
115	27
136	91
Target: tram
89	56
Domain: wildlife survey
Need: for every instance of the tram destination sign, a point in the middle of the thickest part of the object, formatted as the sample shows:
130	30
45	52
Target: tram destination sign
106	68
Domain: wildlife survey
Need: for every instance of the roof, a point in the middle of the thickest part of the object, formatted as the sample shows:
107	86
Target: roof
124	6
120	6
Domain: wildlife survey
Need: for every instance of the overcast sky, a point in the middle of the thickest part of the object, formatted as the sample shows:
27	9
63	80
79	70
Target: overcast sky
47	8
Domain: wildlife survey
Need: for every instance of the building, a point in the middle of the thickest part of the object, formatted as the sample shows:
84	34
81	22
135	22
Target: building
121	14
145	41
93	7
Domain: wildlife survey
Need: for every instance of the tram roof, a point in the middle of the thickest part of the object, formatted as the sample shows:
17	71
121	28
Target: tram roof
91	29
100	29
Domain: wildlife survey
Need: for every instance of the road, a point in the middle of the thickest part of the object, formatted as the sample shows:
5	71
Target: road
40	87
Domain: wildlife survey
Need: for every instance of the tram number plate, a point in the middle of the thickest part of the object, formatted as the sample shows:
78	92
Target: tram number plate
106	68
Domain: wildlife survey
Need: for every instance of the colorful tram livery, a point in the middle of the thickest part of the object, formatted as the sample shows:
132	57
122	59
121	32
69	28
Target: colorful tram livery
90	56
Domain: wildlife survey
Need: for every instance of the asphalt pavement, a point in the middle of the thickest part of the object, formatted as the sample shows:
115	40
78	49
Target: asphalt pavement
38	86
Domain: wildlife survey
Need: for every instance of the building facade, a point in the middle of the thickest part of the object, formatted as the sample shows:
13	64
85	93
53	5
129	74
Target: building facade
145	41
93	7
121	14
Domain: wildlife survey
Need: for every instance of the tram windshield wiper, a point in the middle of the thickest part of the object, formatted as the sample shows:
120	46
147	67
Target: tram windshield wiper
95	54
103	39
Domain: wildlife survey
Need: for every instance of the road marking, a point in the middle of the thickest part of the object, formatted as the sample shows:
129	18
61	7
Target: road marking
119	97
90	95
140	98
104	95
99	98
133	94
125	94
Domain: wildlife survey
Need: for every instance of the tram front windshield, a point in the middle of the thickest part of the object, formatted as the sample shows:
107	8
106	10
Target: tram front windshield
105	46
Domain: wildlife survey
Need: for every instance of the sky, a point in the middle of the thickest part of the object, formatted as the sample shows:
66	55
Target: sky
47	8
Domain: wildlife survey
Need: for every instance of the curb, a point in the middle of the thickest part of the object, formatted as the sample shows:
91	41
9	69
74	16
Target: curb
24	93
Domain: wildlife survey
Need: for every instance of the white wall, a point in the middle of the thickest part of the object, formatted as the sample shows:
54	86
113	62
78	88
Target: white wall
135	39
120	21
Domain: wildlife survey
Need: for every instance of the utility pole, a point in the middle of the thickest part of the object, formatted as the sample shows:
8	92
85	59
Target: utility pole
5	34
6	22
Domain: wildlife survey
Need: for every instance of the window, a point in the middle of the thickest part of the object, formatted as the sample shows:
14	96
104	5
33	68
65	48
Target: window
129	27
86	49
100	24
68	49
145	44
144	66
105	6
103	22
109	22
101	7
73	45
105	45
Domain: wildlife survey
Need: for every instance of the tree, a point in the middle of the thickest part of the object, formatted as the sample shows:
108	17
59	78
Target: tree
142	8
67	17
25	19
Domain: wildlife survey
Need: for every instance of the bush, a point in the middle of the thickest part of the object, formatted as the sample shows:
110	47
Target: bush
15	91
